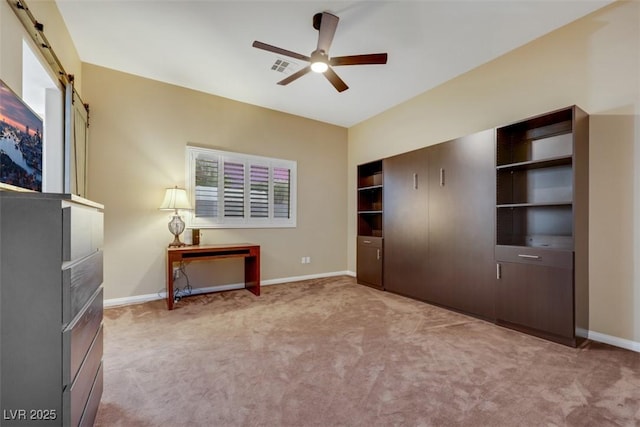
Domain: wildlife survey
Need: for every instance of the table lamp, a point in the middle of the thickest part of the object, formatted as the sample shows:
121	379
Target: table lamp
174	199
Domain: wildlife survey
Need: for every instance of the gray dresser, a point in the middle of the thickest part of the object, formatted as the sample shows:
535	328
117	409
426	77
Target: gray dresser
50	309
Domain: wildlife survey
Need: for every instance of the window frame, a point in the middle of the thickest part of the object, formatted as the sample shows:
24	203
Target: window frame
247	160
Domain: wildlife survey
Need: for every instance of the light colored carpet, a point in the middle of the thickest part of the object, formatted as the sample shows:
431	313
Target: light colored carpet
330	352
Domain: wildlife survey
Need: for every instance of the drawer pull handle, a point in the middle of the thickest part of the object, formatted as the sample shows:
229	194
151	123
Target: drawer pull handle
441	177
366	242
415	181
378	254
529	256
498	272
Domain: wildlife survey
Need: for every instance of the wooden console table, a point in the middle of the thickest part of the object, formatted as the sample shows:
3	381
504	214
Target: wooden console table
248	251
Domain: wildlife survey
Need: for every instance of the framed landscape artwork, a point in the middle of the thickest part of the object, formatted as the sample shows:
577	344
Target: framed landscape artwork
20	143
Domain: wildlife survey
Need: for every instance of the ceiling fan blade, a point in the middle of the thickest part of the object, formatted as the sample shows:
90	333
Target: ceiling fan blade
336	81
328	25
295	76
279	50
372	58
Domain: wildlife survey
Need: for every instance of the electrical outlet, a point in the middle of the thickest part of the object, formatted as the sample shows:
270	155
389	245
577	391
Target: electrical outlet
303	260
176	273
308	260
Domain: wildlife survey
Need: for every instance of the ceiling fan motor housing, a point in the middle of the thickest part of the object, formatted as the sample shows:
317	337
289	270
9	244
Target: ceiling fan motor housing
317	19
319	56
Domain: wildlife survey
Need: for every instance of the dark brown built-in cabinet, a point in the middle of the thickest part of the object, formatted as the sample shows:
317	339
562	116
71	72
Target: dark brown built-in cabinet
493	224
542	225
405	222
461	268
370	214
439	224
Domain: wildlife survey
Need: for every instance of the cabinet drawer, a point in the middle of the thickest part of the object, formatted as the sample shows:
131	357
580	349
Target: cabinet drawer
79	283
79	335
536	256
82	231
375	242
75	397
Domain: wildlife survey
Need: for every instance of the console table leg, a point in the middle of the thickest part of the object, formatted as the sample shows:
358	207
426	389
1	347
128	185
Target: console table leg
252	274
170	284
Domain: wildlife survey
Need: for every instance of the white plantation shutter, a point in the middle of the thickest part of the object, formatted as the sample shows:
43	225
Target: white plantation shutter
281	192
231	190
206	188
259	194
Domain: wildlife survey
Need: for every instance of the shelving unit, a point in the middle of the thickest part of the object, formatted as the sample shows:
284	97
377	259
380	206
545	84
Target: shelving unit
535	182
370	199
370	214
542	225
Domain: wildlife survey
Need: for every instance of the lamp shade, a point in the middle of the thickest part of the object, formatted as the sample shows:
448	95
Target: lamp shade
174	199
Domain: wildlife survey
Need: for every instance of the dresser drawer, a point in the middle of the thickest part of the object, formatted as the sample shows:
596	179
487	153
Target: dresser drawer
75	397
79	283
78	336
91	409
82	231
536	256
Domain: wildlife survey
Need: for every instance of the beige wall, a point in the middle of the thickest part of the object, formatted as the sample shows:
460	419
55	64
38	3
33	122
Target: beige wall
139	130
593	63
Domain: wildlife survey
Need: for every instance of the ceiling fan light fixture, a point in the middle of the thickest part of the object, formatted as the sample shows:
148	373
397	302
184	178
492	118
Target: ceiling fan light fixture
319	61
319	66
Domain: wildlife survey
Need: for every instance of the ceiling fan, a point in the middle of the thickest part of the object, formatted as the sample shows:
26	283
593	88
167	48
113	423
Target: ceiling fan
320	62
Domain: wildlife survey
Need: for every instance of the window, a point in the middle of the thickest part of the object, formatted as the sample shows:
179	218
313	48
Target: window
231	190
46	98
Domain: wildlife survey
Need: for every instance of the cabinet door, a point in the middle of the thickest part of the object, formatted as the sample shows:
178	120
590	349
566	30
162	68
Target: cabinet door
461	224
536	299
369	261
405	223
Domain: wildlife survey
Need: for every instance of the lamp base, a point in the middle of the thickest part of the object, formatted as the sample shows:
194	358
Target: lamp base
177	243
176	226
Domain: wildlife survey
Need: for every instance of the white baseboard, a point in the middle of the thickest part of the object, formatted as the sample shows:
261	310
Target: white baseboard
299	278
615	341
138	299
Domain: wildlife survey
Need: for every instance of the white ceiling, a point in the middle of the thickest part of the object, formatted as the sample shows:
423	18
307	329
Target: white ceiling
206	45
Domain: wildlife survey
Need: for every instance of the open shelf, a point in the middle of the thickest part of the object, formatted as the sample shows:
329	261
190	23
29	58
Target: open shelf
548	185
529	205
535	182
370	175
545	138
370	186
537	164
514	224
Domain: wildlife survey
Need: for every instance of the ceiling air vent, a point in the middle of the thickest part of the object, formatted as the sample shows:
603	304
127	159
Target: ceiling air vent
284	66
